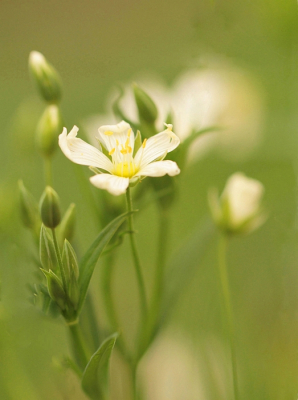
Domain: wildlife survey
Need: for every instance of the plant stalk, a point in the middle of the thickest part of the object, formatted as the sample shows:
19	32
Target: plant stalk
223	273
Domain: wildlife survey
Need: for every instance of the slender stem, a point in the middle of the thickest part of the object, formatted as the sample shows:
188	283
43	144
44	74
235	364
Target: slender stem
149	329
58	255
160	263
79	347
136	258
107	291
222	250
48	171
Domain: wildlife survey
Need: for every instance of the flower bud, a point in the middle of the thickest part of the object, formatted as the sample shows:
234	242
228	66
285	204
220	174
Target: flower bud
48	129
69	260
67	226
238	210
55	289
146	107
29	208
47	253
50	208
46	77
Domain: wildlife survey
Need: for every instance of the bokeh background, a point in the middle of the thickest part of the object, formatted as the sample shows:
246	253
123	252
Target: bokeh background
96	45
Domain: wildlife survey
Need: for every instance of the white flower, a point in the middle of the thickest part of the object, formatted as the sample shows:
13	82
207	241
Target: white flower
123	164
239	208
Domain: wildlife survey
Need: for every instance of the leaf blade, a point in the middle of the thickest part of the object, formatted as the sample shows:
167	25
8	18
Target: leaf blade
90	258
95	376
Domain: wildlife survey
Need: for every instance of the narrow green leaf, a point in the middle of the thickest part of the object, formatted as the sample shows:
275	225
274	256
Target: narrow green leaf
90	258
95	376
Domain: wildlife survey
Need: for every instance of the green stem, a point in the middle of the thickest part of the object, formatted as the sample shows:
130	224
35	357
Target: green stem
48	171
149	329
136	258
160	264
222	250
58	255
79	347
107	292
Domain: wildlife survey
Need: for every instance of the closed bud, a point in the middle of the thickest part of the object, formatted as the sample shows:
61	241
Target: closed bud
67	226
48	129
146	107
46	77
29	208
50	208
47	253
238	209
70	263
55	289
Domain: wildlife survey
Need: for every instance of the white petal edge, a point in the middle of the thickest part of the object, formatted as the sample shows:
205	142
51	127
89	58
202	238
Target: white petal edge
156	146
160	168
82	153
115	185
119	134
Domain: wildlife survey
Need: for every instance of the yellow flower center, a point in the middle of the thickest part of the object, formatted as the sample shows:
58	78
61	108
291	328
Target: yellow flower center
125	169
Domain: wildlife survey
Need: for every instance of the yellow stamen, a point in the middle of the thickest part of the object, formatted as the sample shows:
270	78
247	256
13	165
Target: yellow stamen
123	151
129	132
117	143
129	149
112	151
144	143
108	133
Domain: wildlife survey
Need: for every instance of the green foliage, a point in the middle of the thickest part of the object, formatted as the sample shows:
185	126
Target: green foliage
95	376
89	260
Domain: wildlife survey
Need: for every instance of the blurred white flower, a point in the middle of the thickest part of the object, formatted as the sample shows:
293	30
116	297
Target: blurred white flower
170	371
217	95
121	156
177	369
239	207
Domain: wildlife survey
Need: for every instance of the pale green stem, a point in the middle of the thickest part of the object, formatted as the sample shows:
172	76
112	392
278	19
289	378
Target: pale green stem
222	250
160	264
151	325
106	289
58	255
80	349
48	171
136	258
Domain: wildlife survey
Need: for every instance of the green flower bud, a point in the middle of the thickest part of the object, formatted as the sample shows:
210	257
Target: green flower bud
146	107
46	77
55	289
69	260
48	129
29	208
50	208
67	226
47	253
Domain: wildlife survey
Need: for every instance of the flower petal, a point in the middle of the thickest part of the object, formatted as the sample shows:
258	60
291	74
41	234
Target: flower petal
115	185
110	134
81	152
160	168
156	146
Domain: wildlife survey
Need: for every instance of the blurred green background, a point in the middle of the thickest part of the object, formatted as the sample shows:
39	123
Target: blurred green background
95	45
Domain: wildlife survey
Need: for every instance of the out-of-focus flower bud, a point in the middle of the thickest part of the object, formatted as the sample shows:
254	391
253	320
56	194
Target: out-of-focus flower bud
48	129
47	253
69	260
50	208
46	77
67	226
146	107
55	289
238	210
29	209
